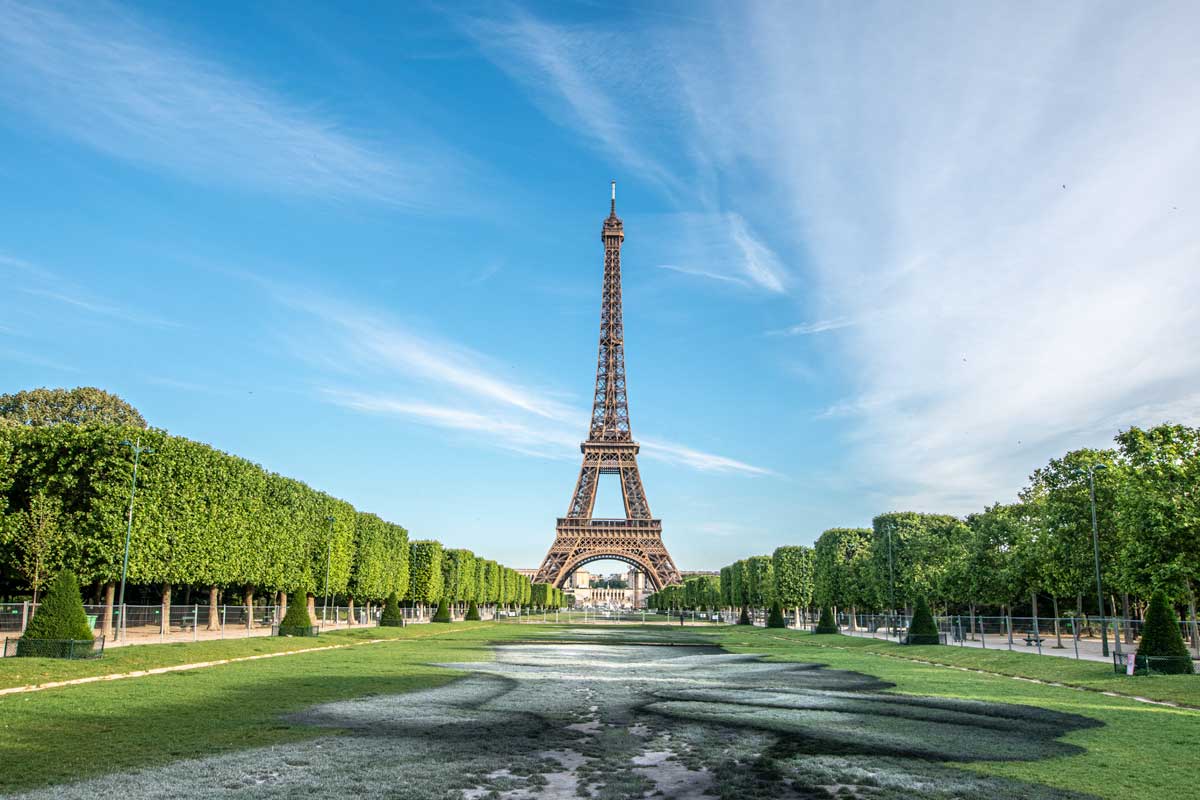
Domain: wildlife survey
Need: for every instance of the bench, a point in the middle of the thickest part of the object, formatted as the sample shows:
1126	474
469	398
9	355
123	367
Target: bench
1031	640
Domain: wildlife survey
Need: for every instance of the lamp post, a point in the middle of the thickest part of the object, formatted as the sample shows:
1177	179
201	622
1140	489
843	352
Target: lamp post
891	579
328	558
137	449
1091	475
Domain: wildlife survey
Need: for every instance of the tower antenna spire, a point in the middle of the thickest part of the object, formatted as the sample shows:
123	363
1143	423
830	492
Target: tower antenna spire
614	197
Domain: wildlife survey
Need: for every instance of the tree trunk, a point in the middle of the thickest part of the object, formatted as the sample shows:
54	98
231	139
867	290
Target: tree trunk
214	617
110	590
164	625
1008	621
312	608
972	612
1033	596
1057	628
1125	613
350	610
248	601
853	618
1195	628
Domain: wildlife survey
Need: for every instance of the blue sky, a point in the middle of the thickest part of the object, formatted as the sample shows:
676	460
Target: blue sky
877	257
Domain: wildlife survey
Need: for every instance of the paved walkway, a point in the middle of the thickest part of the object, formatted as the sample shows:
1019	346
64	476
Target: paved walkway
1088	649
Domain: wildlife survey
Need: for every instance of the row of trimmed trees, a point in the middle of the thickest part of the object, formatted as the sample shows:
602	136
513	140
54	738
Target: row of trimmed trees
208	521
1035	554
784	578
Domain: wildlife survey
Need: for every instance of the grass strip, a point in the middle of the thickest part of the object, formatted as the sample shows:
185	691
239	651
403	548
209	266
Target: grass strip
20	673
1182	690
1140	751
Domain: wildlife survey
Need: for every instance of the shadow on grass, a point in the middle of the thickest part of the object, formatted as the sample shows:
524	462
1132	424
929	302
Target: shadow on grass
556	720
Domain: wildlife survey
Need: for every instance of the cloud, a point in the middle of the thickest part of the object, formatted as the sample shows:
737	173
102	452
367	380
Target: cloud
102	309
704	462
105	79
562	67
441	384
819	326
1002	222
699	273
617	87
1003	202
759	262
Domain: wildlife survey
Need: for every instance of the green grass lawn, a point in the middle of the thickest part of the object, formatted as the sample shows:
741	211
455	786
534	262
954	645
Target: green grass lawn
1141	751
67	733
72	732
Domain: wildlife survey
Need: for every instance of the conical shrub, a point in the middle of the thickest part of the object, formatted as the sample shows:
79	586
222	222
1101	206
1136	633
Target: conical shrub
392	616
296	621
60	615
443	612
922	629
744	619
473	612
1162	648
827	624
775	618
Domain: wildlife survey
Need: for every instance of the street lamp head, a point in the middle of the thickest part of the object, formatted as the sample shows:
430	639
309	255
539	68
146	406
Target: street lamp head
330	519
1099	466
126	443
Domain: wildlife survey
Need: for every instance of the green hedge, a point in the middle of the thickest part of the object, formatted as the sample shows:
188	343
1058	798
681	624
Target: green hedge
60	614
922	629
443	612
827	624
473	612
426	579
297	621
775	618
1161	637
392	616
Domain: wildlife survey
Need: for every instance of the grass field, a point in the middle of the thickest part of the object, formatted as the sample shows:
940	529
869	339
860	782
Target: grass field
65	734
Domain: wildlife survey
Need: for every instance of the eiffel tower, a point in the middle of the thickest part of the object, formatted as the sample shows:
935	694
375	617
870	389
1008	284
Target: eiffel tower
609	450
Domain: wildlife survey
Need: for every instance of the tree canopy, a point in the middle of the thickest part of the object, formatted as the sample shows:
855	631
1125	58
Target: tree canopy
80	406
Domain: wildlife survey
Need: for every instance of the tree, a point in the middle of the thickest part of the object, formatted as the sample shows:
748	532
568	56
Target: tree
38	535
761	583
827	623
392	616
296	620
1059	501
443	611
1161	638
60	615
775	618
793	570
922	629
425	572
380	566
1158	511
80	406
921	548
839	557
727	600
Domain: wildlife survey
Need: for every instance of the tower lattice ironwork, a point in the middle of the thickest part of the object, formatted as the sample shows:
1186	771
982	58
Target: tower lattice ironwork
609	449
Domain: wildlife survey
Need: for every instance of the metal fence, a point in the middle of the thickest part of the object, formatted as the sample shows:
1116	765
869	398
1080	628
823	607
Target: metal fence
144	624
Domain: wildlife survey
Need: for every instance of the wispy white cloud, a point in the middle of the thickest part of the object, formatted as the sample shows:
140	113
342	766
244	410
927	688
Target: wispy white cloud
103	309
1002	202
758	261
700	273
103	77
599	81
704	462
437	383
819	326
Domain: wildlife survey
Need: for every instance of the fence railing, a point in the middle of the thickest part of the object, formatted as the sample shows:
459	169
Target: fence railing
144	624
